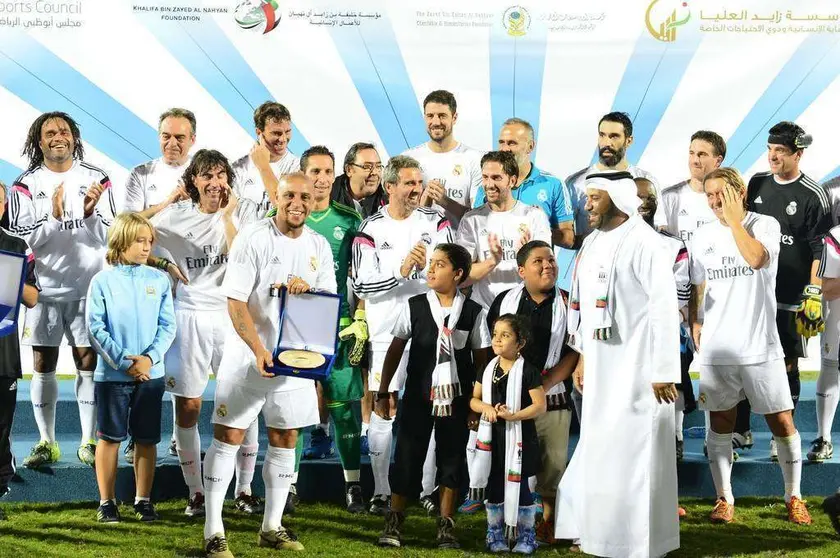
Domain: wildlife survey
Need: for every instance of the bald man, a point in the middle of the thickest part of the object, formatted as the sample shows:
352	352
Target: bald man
245	389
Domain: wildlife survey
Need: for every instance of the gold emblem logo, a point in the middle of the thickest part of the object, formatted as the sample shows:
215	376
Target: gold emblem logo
150	290
170	381
27	332
665	30
702	398
516	20
222	410
313	263
457	170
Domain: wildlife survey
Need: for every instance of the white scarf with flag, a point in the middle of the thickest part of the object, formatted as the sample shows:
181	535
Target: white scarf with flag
513	444
510	305
445	383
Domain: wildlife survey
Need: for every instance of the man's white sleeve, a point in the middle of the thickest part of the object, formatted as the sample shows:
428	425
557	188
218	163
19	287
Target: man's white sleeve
242	268
831	255
769	233
103	214
655	274
697	271
402	325
370	280
23	220
682	276
467	238
135	196
326	270
540	229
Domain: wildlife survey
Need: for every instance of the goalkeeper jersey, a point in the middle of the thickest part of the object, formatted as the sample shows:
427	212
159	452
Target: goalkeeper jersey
338	224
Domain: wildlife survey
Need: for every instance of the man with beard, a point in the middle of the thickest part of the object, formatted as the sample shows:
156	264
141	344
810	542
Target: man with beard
269	254
390	254
615	136
533	185
619	492
450	168
802	209
273	125
62	207
539	301
494	232
156	184
685	401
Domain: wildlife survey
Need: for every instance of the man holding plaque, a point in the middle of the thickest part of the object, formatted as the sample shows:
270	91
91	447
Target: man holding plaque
10	367
265	256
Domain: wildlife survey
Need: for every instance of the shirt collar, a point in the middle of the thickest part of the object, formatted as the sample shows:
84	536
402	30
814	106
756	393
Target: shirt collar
548	301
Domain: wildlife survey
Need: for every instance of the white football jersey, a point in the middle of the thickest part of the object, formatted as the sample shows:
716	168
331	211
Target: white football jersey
740	302
196	243
151	183
262	256
683	211
830	338
577	186
71	251
459	170
379	248
248	183
473	234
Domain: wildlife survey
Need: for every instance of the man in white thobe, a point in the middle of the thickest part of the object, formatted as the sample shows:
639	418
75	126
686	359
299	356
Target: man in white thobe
618	497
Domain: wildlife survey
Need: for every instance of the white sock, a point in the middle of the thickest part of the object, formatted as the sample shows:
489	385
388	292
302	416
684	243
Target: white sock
679	419
532	484
103	502
87	404
429	468
246	459
379	442
790	460
174	422
828	389
325	426
708	419
352	476
365	426
138	499
278	468
43	390
720	462
218	472
188	442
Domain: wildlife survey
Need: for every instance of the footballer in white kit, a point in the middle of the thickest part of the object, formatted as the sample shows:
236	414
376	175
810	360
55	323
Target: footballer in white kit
154	185
280	251
494	232
451	170
390	256
739	349
273	124
62	206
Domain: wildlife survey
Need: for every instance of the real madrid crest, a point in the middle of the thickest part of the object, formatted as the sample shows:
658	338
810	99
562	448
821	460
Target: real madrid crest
426	238
170	382
338	233
222	410
457	170
542	195
313	263
791	208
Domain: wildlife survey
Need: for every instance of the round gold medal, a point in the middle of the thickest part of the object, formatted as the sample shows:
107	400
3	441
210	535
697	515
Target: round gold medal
301	359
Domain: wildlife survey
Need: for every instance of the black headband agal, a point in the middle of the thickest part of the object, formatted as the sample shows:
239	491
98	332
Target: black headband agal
617	175
794	142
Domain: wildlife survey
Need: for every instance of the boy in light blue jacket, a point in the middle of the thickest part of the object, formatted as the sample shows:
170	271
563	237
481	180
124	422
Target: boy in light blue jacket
131	324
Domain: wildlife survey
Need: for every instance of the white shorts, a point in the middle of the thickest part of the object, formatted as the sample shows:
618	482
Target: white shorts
377	361
238	405
196	351
765	384
48	323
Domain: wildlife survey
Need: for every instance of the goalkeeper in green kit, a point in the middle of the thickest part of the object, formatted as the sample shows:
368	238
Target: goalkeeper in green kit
338	224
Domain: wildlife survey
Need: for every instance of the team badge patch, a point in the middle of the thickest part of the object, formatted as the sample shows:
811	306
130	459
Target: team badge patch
542	195
457	170
313	263
27	332
338	233
150	290
702	398
426	238
791	208
170	382
222	410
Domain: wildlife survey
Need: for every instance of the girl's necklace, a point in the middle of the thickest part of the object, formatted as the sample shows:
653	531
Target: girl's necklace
497	377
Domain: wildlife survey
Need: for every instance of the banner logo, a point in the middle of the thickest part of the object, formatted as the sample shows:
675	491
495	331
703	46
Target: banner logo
665	30
257	14
516	20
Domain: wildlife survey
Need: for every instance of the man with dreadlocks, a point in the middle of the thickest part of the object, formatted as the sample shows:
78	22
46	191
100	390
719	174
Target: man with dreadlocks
62	207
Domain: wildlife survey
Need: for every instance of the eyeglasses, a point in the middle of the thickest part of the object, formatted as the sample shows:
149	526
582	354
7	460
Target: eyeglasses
369	167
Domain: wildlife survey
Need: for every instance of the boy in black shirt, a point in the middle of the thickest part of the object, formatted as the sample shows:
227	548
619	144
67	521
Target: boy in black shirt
10	367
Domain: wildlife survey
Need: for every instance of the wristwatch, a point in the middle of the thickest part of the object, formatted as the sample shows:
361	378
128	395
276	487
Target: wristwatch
380	395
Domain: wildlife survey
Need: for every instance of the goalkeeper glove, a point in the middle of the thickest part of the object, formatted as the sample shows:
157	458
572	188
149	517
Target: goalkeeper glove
359	330
809	318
